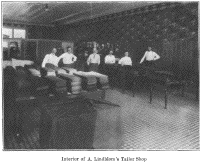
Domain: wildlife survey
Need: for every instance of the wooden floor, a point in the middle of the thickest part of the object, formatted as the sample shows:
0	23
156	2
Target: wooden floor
137	124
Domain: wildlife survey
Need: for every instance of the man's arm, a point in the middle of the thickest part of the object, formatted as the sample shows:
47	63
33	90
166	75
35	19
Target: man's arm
131	62
88	60
120	61
60	57
99	59
143	58
45	61
75	58
106	59
156	56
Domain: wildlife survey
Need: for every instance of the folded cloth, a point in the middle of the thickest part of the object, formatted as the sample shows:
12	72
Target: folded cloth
7	63
89	82
73	82
102	80
35	72
56	81
69	70
22	63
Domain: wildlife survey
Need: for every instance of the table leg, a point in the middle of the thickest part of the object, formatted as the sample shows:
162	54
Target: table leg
197	94
134	87
151	92
103	94
183	89
165	97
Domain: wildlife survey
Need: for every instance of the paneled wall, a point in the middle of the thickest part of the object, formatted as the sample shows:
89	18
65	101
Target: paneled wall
171	29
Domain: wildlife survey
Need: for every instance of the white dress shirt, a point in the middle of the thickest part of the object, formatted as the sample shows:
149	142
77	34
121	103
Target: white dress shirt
125	61
94	58
110	59
50	58
150	56
68	58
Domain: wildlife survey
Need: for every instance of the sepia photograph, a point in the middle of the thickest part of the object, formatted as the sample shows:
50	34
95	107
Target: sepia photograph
100	76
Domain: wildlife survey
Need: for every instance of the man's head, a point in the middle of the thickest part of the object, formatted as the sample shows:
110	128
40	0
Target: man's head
111	52
126	53
86	53
95	50
54	50
69	49
149	48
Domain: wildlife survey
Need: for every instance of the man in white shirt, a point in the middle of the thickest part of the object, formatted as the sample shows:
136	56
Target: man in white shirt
93	61
68	58
126	64
109	67
149	57
126	60
110	58
51	58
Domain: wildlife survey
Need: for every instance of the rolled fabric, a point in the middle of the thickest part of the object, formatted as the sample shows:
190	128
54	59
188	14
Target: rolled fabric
89	82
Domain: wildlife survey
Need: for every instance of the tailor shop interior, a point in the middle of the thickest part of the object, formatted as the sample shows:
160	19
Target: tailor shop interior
103	75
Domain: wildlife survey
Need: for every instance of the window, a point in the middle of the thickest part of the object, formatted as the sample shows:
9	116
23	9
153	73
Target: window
7	32
13	33
19	33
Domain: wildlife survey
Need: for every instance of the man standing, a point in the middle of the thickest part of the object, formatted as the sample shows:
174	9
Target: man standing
93	61
150	57
126	64
68	58
109	67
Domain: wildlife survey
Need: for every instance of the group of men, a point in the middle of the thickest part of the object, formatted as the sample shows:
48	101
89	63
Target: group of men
91	62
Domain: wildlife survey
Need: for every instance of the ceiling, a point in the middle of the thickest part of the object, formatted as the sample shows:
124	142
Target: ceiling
62	12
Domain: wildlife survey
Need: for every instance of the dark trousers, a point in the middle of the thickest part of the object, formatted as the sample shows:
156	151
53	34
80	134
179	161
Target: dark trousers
110	72
149	64
69	65
125	77
93	67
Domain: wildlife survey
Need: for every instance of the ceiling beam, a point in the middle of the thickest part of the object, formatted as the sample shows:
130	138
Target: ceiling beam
26	23
72	15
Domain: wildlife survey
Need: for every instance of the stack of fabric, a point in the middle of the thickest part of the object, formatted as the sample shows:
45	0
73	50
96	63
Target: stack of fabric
89	82
73	82
101	79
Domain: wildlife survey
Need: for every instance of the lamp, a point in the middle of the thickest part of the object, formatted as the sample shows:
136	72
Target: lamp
46	7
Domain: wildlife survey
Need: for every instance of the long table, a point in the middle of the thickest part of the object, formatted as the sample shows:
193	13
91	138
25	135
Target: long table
153	77
72	117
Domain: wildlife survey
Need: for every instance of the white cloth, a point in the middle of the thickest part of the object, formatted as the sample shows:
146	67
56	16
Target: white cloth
125	61
68	58
94	58
110	59
150	56
22	63
50	58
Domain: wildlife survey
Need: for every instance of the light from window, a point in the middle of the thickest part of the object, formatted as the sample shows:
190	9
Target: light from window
5	44
7	32
19	33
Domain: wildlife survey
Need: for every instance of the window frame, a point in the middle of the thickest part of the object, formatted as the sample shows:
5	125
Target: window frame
13	33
